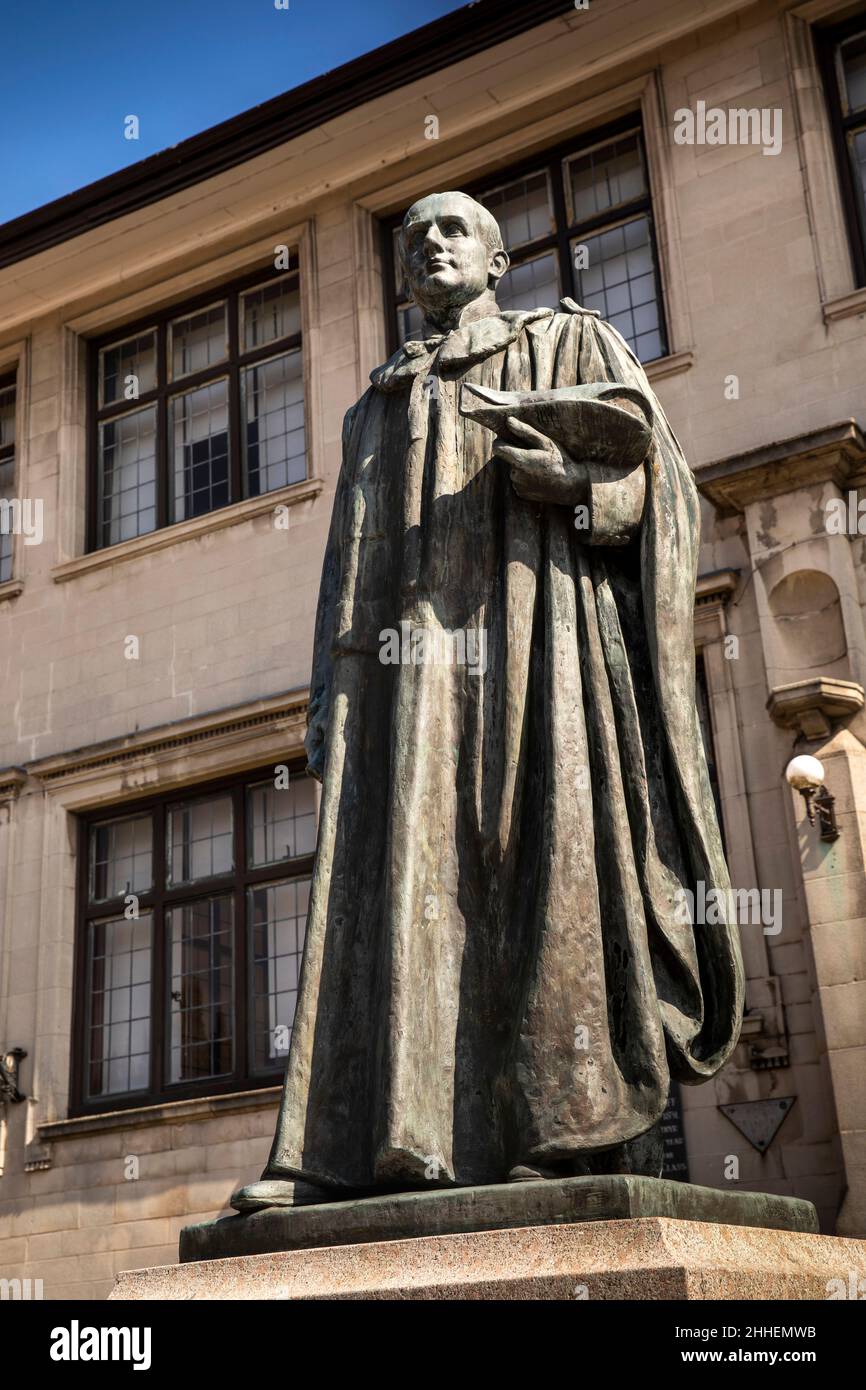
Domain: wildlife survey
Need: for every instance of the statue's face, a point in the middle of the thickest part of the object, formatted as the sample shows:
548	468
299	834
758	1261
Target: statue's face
446	258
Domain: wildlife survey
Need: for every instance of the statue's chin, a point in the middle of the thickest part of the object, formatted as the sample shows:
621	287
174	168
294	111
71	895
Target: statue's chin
440	288
439	297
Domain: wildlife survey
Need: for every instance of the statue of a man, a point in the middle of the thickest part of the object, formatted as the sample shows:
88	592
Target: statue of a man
499	976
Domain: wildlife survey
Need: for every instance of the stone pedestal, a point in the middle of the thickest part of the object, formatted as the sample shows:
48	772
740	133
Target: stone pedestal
633	1258
609	1237
495	1207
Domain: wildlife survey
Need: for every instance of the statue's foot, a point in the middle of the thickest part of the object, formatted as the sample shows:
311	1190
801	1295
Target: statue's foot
533	1172
278	1192
575	1167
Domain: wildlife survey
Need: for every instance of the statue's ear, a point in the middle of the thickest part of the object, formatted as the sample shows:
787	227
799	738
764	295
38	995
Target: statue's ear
499	263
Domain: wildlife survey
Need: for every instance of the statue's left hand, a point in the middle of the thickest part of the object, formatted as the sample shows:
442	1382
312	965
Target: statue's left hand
540	471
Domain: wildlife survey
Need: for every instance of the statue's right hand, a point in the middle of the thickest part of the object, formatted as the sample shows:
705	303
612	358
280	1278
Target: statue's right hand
540	470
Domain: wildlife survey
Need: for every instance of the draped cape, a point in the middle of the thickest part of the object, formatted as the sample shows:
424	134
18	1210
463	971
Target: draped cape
497	967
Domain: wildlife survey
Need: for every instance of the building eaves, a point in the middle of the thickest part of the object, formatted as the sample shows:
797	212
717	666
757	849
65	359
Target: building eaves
449	40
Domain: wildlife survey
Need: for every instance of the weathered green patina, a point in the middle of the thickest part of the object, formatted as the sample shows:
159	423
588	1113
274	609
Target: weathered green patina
498	983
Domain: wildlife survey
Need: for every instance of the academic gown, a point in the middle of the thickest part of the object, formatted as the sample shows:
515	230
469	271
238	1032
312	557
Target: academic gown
497	971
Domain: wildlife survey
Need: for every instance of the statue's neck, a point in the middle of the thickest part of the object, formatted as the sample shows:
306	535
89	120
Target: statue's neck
446	320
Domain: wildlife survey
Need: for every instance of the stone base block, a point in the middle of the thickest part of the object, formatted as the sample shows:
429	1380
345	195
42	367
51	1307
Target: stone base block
636	1258
499	1206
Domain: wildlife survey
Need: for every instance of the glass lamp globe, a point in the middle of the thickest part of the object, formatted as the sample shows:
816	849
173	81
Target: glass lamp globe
804	773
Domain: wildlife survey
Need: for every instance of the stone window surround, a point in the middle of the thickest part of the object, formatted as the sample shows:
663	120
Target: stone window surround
170	386
15	357
764	1028
160	900
176	756
641	94
840	296
73	559
713	594
567	228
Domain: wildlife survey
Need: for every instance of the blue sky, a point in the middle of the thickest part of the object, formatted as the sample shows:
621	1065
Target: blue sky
74	69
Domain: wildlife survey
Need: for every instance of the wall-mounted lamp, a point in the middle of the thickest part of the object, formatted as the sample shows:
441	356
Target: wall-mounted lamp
9	1064
806	775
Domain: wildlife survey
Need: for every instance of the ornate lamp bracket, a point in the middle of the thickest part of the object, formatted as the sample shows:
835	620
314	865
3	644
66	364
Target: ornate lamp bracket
9	1064
821	806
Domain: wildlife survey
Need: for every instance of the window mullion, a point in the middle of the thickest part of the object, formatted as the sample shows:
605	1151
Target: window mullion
664	339
162	450
94	463
235	424
242	984
277	348
160	971
612	217
530	249
126	407
560	218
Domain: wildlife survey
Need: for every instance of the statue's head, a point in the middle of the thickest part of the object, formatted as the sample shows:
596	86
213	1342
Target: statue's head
451	252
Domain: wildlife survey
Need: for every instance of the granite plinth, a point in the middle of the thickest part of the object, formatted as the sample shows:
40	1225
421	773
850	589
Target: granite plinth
503	1206
650	1258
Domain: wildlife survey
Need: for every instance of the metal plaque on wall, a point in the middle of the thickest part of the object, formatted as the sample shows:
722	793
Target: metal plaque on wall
676	1165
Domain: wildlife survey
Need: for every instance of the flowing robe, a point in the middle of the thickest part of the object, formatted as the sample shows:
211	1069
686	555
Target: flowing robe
497	968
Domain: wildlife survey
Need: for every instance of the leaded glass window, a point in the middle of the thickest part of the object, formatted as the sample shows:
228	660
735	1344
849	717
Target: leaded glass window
194	911
197	407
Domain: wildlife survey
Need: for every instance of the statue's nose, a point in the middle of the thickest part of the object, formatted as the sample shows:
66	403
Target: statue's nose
434	241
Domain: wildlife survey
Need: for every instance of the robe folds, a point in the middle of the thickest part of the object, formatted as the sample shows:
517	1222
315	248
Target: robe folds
497	971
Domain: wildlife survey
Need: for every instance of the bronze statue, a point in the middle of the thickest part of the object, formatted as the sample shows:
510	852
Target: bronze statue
498	980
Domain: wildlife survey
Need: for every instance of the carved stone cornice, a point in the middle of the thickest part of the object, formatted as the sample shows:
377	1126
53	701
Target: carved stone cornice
812	706
836	453
715	587
712	592
221	729
12	779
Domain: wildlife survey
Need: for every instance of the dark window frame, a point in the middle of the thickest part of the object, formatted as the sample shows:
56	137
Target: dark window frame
157	899
827	39
550	161
9	382
231	368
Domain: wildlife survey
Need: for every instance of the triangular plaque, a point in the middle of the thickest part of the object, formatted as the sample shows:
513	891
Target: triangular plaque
759	1120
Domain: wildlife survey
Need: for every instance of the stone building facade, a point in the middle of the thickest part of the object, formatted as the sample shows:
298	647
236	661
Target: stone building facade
178	346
